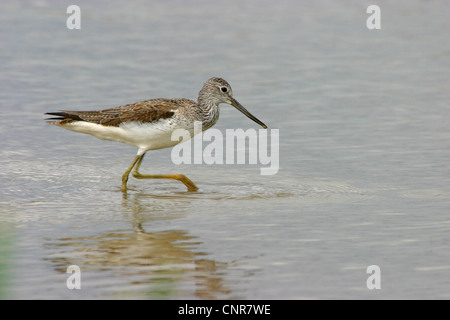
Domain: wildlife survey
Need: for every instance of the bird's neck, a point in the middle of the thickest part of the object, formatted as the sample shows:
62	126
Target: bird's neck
209	111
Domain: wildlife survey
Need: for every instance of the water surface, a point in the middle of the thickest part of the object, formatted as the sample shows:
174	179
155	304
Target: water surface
364	149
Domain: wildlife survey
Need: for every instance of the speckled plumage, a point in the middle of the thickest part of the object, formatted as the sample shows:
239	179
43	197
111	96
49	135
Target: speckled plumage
206	110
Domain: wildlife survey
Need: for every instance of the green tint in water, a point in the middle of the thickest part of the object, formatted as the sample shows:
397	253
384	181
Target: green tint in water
6	248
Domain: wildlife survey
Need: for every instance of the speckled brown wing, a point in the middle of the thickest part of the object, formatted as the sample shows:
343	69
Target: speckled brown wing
143	111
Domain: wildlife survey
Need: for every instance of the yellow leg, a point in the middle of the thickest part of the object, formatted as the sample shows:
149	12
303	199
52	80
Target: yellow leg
187	182
127	173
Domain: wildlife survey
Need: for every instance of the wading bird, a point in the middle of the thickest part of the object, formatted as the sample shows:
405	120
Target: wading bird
148	125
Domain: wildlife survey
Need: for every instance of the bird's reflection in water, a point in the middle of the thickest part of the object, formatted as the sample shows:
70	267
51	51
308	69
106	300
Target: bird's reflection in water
144	264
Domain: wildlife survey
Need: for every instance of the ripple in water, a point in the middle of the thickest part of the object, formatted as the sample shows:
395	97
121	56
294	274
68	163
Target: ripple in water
306	190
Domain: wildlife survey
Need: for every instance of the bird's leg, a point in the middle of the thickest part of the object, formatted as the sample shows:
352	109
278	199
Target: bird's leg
187	182
127	173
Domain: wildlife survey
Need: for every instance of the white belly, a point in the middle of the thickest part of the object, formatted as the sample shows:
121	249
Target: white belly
145	136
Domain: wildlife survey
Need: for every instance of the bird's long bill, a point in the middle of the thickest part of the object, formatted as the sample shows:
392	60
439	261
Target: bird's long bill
241	108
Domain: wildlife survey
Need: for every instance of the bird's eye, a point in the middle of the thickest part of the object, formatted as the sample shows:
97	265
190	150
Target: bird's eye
224	89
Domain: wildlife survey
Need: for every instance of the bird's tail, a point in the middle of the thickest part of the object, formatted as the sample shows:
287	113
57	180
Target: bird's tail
62	117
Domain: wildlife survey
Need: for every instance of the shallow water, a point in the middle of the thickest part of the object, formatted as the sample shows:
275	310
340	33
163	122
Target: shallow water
364	148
